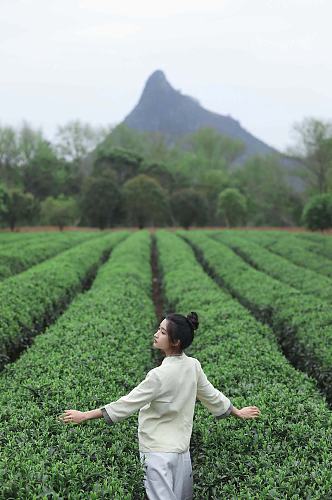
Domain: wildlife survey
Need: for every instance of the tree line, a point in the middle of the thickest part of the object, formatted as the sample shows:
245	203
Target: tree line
103	177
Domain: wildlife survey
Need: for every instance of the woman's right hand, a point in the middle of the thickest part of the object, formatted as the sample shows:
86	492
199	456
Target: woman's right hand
249	412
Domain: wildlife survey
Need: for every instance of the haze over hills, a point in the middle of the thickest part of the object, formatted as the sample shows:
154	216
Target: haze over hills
163	109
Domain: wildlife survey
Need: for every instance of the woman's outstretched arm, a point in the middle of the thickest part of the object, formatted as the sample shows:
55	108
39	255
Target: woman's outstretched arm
246	412
219	404
120	409
77	417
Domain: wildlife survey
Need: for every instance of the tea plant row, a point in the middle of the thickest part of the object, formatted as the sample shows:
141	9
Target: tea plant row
286	453
296	250
18	256
97	351
322	243
278	267
33	299
301	322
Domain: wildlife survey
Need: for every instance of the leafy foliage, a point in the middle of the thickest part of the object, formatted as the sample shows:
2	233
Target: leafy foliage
100	200
232	206
35	298
28	250
317	213
19	207
96	352
188	207
300	321
145	201
286	452
205	161
59	211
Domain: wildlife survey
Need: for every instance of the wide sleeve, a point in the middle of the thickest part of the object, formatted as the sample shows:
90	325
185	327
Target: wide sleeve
215	401
141	395
106	415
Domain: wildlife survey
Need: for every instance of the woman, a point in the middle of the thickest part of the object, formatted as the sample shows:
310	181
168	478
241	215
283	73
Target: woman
166	400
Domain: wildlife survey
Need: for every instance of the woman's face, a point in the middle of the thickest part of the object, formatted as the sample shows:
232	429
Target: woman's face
161	339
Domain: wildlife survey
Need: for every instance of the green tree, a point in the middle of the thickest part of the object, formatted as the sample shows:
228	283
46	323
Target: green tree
30	141
270	200
19	146
210	183
145	201
50	169
211	149
39	175
10	157
317	213
3	193
313	150
9	150
232	206
189	207
30	162
152	146
67	178
122	162
123	137
161	173
101	200
20	208
61	211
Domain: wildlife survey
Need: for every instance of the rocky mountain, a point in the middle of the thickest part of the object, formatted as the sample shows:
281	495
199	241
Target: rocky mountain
161	108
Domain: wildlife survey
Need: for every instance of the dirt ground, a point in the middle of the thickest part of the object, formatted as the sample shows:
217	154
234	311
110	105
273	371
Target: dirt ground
29	229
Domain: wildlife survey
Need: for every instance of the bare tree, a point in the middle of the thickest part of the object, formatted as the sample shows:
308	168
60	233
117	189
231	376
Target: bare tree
76	139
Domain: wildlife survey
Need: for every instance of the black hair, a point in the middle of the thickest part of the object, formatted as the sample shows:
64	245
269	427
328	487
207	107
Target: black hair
182	328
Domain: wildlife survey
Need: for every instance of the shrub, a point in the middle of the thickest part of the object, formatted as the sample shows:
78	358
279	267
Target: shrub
317	213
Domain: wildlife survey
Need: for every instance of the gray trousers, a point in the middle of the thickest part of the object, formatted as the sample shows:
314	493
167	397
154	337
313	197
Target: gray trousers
168	476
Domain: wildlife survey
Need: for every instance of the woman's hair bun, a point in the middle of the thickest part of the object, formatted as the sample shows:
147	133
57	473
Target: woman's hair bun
193	320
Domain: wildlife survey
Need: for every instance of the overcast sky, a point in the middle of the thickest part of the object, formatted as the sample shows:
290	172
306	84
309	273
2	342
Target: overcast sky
266	63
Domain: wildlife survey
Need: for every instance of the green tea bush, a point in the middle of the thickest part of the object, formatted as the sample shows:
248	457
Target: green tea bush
97	351
321	244
278	267
286	452
33	299
15	258
301	322
8	238
299	252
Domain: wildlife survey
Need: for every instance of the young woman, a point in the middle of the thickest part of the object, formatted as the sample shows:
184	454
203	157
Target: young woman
166	400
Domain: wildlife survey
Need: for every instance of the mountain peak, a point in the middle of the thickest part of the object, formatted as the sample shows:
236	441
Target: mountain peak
157	76
157	82
163	109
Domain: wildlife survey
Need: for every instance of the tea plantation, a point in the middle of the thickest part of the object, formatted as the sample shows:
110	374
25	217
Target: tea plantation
77	318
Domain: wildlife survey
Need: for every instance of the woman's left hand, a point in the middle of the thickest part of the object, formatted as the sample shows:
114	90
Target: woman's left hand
72	417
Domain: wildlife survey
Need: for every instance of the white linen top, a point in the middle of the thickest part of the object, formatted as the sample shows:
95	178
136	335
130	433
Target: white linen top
166	400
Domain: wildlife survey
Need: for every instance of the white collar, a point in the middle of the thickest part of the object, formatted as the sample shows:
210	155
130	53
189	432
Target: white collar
175	356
